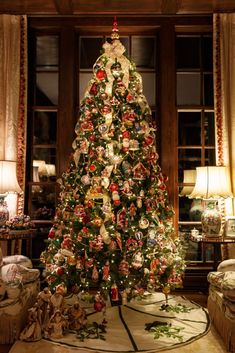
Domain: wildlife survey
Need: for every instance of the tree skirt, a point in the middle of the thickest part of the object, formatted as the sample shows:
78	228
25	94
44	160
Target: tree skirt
126	327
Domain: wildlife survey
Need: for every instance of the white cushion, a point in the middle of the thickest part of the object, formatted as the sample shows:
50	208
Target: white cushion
16	272
226	265
17	259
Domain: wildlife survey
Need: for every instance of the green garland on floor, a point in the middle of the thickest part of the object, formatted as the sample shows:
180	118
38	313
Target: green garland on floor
92	331
164	329
179	308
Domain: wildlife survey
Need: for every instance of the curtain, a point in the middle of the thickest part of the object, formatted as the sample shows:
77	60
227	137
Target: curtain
224	94
13	71
13	103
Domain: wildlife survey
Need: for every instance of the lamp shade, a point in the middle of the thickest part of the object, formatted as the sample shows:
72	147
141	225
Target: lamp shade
8	180
212	182
189	178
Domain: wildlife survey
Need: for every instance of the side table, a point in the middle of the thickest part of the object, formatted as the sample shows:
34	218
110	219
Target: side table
216	242
10	235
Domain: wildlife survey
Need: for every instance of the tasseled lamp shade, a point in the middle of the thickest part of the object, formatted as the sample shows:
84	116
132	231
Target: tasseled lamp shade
212	183
8	180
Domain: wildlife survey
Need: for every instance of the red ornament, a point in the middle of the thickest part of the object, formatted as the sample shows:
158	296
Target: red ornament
93	89
106	109
60	271
117	202
114	292
130	98
101	75
90	203
67	243
99	304
85	230
51	234
113	187
92	167
126	134
148	140
125	149
92	138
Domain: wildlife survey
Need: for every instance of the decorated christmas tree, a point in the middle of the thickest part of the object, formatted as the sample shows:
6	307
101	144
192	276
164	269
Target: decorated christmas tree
113	230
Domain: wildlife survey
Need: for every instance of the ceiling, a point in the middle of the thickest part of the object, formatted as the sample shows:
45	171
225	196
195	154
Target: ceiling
117	7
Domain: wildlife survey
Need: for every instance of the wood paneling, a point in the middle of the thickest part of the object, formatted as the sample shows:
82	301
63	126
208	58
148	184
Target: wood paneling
113	7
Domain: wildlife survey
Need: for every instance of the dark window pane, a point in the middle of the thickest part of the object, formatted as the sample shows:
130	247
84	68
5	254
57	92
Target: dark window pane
187	52
47	88
143	51
90	50
43	201
188	88
190	209
210	156
188	158
189	128
44	158
207	53
149	87
125	42
47	52
45	127
209	126
184	207
208	90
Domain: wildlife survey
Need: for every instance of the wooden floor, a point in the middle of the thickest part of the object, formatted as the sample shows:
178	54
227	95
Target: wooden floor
198	297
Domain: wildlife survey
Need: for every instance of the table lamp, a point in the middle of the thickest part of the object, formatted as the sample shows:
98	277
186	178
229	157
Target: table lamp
188	181
8	185
212	184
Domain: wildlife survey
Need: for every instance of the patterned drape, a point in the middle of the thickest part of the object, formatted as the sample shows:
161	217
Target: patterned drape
224	94
13	88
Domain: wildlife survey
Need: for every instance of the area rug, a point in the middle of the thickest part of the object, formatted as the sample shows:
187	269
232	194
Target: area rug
183	326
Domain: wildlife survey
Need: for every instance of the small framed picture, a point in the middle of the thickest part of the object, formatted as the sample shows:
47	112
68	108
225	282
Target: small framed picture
230	227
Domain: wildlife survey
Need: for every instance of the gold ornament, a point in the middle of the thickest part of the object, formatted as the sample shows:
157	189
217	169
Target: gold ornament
97	221
71	260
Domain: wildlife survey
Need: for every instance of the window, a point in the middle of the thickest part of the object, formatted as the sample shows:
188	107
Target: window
196	130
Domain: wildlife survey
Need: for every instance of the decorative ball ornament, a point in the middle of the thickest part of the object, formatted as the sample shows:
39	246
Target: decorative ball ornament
92	168
113	187
97	221
60	271
85	179
143	223
126	134
138	235
101	75
72	261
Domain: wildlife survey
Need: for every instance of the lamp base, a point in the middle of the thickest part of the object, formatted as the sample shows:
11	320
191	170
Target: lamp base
211	220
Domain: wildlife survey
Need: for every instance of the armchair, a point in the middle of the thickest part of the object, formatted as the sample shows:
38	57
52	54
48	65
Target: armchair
19	286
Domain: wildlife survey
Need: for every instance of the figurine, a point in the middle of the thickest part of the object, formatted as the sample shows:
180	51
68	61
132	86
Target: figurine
56	325
76	317
33	332
114	292
100	306
57	299
44	303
